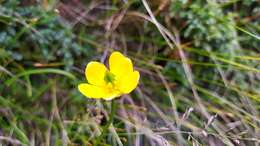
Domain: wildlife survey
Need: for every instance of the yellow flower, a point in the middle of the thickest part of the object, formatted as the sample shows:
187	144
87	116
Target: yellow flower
108	84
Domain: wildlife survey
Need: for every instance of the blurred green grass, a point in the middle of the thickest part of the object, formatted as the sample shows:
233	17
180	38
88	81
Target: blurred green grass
199	64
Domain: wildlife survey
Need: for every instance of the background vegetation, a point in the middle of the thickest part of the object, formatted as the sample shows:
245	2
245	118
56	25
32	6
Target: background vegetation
199	62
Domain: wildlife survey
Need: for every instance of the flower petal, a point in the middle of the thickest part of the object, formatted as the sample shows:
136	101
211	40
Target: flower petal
129	82
111	96
120	65
95	73
92	91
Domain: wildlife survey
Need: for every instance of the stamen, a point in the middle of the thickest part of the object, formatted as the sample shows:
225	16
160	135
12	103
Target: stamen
109	77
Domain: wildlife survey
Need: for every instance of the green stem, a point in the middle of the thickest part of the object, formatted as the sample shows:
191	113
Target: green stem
112	113
110	121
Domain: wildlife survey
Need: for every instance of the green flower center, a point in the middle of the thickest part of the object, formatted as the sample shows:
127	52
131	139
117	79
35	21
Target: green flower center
109	77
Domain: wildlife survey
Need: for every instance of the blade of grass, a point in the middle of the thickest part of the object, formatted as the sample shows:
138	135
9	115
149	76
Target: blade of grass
41	71
247	32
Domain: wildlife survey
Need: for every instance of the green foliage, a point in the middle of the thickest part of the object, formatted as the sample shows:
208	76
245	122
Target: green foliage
45	46
27	30
206	25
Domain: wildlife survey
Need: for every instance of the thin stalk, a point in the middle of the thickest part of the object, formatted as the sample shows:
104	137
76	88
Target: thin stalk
110	122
